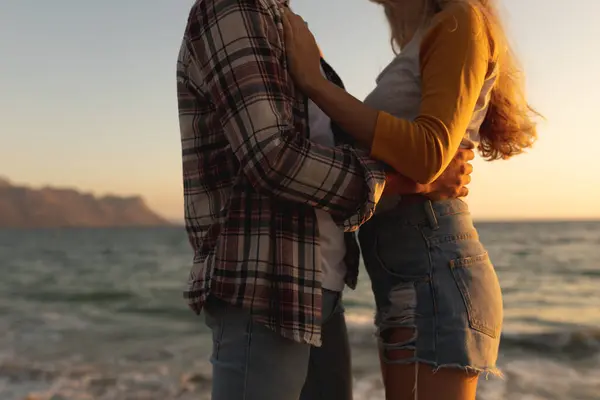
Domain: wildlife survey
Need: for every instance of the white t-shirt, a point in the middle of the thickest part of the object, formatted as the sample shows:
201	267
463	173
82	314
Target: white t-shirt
333	246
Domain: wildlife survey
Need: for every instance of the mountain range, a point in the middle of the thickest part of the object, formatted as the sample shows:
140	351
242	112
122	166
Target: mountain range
50	207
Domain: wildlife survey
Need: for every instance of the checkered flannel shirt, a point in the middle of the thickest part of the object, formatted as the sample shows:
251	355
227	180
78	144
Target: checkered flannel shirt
252	179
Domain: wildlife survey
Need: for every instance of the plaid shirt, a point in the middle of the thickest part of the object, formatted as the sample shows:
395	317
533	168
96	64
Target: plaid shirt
252	179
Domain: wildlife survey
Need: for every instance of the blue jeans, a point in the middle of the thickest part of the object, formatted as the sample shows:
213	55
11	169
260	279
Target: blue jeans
251	362
431	275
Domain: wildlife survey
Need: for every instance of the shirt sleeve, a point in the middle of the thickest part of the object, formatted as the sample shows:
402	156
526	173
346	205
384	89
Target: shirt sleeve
455	57
240	55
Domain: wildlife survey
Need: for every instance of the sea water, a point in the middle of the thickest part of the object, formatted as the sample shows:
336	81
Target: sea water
99	315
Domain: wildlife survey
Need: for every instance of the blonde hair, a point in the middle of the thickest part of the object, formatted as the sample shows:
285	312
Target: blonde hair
509	127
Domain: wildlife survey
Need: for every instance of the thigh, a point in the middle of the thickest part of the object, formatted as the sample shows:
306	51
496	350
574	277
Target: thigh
419	381
251	362
423	382
330	370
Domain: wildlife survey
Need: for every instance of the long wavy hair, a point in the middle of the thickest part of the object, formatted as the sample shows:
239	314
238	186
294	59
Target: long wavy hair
509	127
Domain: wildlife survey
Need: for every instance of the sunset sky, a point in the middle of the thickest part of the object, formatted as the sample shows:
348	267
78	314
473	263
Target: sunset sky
87	97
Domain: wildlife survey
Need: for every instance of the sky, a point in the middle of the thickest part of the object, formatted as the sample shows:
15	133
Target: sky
87	97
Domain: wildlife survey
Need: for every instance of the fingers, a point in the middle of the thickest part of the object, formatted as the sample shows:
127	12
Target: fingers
465	154
290	18
466	179
293	24
287	28
287	23
467	145
286	12
467	169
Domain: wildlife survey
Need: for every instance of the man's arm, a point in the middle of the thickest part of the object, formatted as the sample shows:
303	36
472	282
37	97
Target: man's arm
455	59
238	49
452	183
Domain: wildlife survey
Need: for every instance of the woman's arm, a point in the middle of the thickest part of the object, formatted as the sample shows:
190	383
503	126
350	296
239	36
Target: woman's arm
455	57
452	183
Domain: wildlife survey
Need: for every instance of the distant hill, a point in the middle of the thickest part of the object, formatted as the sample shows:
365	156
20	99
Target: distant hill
25	207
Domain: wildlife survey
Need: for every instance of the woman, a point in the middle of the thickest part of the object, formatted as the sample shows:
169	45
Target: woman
454	83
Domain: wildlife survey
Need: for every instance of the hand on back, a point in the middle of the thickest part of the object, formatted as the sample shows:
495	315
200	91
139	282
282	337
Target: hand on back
454	180
450	184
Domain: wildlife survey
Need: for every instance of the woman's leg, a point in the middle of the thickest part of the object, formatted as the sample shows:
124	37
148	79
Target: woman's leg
420	381
439	304
383	366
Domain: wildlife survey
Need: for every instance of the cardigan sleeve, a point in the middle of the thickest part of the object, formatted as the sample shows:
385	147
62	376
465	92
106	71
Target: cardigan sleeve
455	56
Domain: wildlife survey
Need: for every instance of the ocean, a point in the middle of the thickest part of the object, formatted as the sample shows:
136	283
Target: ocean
99	315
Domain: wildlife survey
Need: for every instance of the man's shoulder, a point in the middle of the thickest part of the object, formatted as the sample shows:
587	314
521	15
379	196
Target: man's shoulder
217	6
235	14
206	15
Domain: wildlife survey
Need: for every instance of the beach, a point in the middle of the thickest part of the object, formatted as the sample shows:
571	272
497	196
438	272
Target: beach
99	314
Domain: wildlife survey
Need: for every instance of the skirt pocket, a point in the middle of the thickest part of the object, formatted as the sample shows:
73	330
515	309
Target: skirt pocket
478	284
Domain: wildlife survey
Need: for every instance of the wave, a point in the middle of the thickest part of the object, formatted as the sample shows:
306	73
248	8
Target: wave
579	343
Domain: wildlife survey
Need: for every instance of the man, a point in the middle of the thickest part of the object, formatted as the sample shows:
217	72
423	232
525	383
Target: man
270	187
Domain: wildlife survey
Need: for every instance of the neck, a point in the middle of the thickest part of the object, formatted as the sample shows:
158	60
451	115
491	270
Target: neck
408	33
408	18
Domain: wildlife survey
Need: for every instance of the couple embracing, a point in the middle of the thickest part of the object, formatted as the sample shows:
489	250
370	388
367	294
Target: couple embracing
281	167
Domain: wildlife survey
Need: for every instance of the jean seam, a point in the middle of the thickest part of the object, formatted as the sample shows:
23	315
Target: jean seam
220	330
249	327
431	283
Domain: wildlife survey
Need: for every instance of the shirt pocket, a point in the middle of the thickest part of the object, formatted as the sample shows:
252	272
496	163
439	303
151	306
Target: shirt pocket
480	290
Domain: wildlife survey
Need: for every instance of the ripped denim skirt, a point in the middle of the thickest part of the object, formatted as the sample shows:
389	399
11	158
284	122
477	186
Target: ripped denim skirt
431	275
